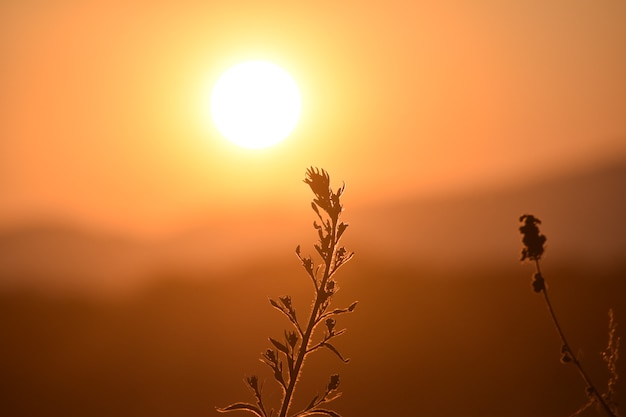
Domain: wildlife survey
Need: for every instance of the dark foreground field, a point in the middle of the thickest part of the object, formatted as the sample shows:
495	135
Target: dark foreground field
421	343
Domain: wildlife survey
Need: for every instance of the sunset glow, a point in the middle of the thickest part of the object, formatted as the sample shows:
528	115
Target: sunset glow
167	167
442	99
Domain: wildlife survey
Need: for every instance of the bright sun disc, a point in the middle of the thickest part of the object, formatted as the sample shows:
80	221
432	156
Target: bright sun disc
255	104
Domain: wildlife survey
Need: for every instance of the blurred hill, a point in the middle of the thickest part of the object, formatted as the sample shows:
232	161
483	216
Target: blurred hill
582	214
446	323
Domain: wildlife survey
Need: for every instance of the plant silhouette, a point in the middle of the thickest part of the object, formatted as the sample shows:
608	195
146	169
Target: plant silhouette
285	358
533	249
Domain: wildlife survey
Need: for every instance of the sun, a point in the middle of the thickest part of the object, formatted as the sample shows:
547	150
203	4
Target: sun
255	104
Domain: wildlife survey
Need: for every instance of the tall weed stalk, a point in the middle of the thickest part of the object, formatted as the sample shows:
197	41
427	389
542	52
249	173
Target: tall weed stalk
286	357
533	242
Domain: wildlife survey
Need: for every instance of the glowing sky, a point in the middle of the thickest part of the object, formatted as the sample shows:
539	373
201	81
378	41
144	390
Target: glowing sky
102	118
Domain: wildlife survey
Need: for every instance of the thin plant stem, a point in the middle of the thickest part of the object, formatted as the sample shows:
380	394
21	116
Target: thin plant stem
591	389
313	320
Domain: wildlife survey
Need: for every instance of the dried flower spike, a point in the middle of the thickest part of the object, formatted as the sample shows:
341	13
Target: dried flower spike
533	241
533	249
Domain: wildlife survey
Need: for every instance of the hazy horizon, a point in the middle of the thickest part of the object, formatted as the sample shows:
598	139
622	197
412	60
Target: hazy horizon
582	212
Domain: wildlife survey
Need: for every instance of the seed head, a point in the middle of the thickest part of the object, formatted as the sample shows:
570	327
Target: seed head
531	238
286	300
334	382
331	288
319	181
253	381
271	356
538	282
330	325
292	338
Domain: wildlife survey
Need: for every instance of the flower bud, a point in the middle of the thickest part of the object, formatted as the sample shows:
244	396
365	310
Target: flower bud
330	325
538	283
334	382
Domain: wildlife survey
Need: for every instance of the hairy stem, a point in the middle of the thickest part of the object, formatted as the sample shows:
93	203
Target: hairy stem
591	389
319	299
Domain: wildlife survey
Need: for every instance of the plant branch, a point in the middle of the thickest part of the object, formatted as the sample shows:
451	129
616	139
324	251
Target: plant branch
568	355
533	249
291	352
320	298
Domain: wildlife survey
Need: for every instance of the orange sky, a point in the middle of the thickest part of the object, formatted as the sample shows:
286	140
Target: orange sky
102	119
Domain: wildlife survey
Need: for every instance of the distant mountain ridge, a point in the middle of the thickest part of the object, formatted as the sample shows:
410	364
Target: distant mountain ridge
583	214
584	218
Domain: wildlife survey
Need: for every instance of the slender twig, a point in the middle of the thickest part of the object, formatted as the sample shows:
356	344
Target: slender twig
567	351
320	298
533	249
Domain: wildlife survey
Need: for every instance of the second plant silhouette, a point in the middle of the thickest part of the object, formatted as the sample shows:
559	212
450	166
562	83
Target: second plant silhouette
533	249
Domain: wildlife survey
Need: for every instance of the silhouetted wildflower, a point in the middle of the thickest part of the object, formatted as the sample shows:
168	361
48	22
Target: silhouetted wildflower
271	356
253	381
319	181
287	360
533	241
292	338
533	249
308	264
330	325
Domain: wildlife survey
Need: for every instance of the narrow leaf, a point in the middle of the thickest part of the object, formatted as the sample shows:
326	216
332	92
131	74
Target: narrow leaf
314	207
278	374
340	229
336	352
242	406
324	412
312	403
275	304
339	333
342	310
290	365
319	250
285	312
279	345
